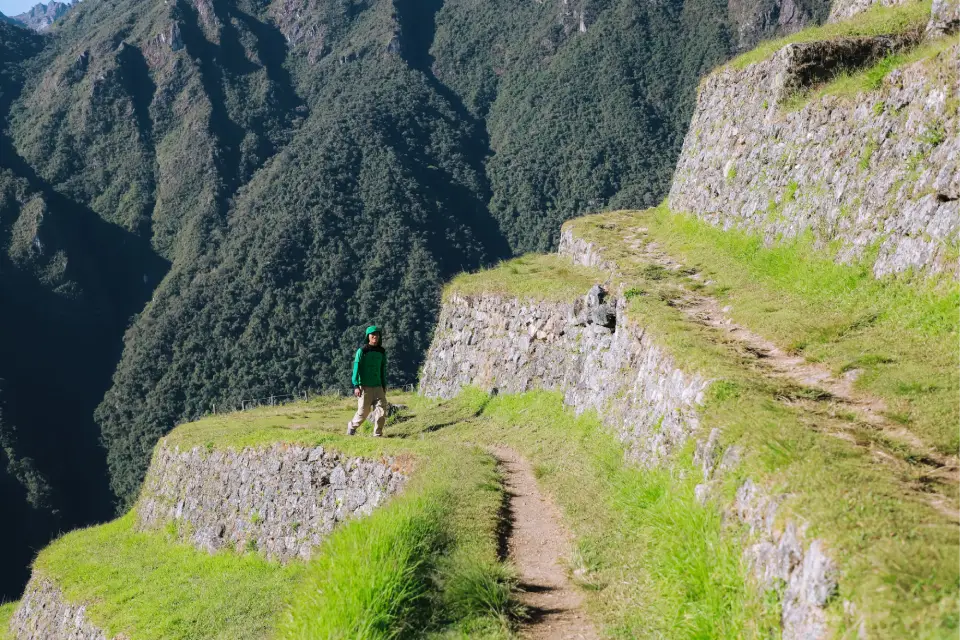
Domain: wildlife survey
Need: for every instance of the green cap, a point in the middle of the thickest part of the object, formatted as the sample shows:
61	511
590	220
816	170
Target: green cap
372	329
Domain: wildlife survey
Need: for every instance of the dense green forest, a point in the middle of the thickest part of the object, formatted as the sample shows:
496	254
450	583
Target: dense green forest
205	201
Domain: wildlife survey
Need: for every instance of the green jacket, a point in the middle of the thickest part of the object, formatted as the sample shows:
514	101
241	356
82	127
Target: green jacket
370	367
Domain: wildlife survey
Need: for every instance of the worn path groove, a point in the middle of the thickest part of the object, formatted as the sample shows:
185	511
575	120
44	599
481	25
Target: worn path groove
537	546
775	361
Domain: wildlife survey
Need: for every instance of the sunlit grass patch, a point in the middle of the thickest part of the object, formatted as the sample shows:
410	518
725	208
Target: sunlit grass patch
147	585
859	489
6	613
529	277
408	570
427	560
652	562
898	336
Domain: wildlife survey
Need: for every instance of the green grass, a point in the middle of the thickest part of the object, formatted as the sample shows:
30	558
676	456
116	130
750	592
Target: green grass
901	334
426	560
651	561
899	556
876	21
6	613
529	277
850	84
147	585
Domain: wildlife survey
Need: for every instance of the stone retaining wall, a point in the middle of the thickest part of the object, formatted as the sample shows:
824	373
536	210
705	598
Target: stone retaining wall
281	500
878	174
944	18
44	614
586	348
590	351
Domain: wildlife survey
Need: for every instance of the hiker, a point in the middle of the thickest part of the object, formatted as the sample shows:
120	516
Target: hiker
370	383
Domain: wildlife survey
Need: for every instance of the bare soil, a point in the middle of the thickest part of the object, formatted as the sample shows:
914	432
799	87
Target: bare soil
538	545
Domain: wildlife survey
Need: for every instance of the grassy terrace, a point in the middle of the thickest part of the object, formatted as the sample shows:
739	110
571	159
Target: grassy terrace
426	564
876	21
428	559
529	277
859	489
848	85
651	562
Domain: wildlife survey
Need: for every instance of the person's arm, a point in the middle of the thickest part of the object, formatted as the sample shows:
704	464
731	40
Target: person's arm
356	369
383	371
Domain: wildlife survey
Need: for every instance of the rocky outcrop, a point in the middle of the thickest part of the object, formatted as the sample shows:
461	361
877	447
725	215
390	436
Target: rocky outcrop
281	500
44	614
160	48
944	18
754	21
41	16
841	10
876	175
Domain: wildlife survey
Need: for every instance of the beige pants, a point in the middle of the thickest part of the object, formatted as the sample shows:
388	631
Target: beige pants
370	398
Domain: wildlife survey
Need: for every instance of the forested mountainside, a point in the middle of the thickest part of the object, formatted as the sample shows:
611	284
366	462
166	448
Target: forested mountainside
207	200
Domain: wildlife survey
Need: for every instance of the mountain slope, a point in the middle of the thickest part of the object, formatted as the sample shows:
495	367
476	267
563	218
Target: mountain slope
272	177
41	16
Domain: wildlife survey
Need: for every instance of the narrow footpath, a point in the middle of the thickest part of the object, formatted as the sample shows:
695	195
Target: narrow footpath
707	311
537	545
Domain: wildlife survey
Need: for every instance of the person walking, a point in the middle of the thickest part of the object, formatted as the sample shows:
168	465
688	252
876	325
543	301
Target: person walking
370	382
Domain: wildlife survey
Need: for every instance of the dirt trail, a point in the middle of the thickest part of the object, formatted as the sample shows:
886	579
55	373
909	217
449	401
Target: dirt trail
708	311
537	545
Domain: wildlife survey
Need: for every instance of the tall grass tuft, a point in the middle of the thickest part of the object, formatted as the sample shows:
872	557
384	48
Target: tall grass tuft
372	579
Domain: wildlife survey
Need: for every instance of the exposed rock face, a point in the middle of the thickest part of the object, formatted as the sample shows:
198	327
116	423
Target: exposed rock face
281	500
944	18
599	359
41	16
43	614
755	21
876	171
841	10
807	579
159	49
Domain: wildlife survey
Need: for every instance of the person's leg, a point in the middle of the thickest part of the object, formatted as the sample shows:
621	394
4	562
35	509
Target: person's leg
380	411
363	410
